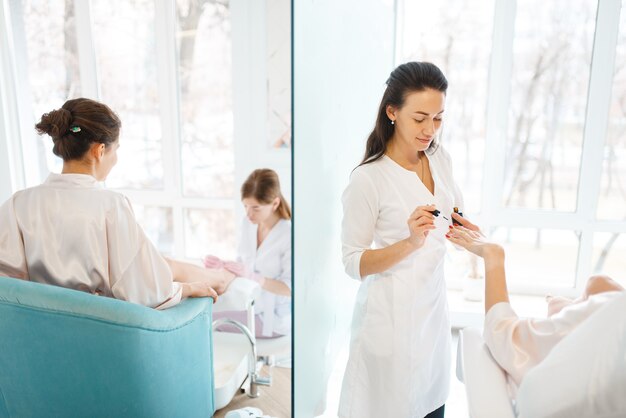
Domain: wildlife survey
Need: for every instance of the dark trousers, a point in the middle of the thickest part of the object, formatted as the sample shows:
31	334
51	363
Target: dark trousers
437	413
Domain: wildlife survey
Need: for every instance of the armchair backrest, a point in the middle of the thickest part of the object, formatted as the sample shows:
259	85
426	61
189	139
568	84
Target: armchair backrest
485	382
67	353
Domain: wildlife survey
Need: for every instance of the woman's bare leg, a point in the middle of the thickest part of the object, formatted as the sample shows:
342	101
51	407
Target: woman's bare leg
600	284
596	284
184	272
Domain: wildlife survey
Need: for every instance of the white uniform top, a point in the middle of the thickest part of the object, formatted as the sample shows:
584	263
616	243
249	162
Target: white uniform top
399	363
518	345
71	232
272	260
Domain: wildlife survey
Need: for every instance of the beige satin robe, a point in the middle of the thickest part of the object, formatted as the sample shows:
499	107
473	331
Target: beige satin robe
71	232
518	344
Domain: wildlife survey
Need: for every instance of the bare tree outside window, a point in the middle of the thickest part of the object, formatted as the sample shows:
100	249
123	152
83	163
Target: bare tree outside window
456	38
125	46
550	78
205	76
53	72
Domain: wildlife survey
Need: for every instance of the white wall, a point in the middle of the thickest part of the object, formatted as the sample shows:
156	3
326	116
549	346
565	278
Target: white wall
343	54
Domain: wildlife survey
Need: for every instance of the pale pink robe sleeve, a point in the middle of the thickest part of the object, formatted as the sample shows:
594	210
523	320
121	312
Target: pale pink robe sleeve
12	256
137	271
520	344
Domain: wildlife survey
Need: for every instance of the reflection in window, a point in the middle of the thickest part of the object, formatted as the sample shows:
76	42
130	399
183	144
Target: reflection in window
50	31
279	72
608	255
612	199
210	231
205	68
550	78
124	36
539	256
456	38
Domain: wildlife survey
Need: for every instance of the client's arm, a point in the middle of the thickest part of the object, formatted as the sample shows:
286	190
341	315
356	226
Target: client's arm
493	255
510	340
518	344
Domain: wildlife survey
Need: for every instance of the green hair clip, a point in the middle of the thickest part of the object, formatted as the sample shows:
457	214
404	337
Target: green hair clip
75	129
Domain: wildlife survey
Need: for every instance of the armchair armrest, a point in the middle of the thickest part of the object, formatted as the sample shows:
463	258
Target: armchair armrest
485	382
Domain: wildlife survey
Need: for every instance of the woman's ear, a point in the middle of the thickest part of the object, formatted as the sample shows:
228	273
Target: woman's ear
391	112
96	152
276	203
100	149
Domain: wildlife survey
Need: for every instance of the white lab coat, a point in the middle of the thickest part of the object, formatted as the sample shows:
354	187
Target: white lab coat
272	260
399	362
71	232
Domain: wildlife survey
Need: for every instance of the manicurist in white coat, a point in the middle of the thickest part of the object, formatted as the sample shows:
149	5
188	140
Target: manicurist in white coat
264	253
399	362
71	232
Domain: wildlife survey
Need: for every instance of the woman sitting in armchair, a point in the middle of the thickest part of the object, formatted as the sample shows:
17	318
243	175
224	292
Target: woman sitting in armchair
71	232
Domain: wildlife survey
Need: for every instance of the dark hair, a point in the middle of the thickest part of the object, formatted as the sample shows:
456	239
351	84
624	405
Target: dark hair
406	78
264	186
78	124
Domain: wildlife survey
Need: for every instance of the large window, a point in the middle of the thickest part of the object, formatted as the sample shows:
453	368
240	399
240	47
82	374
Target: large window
166	68
124	35
529	102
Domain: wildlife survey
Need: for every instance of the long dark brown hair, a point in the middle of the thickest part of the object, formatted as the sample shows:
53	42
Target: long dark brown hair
406	78
263	186
78	124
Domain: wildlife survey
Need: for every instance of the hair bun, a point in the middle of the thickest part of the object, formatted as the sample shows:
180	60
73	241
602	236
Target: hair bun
55	123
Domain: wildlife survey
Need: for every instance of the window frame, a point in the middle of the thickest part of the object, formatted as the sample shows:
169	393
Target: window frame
493	213
248	46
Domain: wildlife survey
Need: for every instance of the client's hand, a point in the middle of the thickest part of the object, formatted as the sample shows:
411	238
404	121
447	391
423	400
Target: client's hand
198	290
241	271
465	222
473	241
212	262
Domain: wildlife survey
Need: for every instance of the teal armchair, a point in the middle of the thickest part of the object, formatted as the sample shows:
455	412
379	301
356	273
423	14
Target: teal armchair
65	353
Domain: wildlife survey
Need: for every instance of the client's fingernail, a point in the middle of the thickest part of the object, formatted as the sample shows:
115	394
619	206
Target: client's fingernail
447	236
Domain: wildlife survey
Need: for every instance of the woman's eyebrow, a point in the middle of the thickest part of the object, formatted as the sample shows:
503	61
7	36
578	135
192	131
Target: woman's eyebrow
426	114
